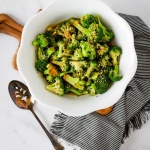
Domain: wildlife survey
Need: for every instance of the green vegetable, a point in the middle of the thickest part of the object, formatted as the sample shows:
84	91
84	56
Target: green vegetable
75	82
63	63
88	50
93	33
57	87
41	41
114	74
102	84
91	68
40	65
107	34
87	19
115	53
77	56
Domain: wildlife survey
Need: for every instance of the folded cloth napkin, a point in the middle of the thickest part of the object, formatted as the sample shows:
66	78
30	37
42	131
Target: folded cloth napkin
97	132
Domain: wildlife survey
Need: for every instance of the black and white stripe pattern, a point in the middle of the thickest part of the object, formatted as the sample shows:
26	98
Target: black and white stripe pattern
96	132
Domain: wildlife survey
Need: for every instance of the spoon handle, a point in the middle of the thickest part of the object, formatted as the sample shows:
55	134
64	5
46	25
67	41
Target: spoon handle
56	145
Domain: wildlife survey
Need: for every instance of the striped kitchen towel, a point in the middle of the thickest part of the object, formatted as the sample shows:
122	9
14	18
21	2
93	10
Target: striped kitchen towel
97	132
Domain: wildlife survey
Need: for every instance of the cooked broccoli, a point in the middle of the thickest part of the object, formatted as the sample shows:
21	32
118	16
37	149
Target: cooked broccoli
102	49
107	34
41	41
105	61
56	87
102	84
88	50
114	74
74	56
62	51
40	65
73	43
69	88
61	45
50	51
49	77
65	29
92	89
91	68
78	67
93	33
76	82
44	54
51	38
94	75
115	53
81	36
63	63
77	55
87	19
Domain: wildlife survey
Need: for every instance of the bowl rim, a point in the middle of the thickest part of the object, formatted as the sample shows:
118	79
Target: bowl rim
63	109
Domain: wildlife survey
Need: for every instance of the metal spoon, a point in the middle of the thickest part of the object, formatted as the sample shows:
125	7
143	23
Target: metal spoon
21	96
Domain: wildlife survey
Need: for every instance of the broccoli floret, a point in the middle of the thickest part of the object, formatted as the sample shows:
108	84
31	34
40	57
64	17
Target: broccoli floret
102	84
114	74
92	89
48	77
63	63
56	87
75	82
44	54
102	49
40	65
61	45
88	50
62	51
93	33
78	67
69	88
73	43
51	38
91	68
41	41
81	36
107	34
77	55
115	53
105	61
50	51
87	19
65	29
42	58
94	75
47	74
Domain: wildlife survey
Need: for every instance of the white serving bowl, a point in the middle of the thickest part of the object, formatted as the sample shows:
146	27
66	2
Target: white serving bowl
57	11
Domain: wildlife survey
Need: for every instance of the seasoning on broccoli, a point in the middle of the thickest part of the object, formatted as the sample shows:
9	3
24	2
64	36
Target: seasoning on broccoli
77	56
57	87
102	83
93	33
115	53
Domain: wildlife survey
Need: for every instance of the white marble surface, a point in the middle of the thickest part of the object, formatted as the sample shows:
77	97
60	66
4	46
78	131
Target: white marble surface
18	128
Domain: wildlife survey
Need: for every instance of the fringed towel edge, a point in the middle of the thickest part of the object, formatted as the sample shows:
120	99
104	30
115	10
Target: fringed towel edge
59	123
136	122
